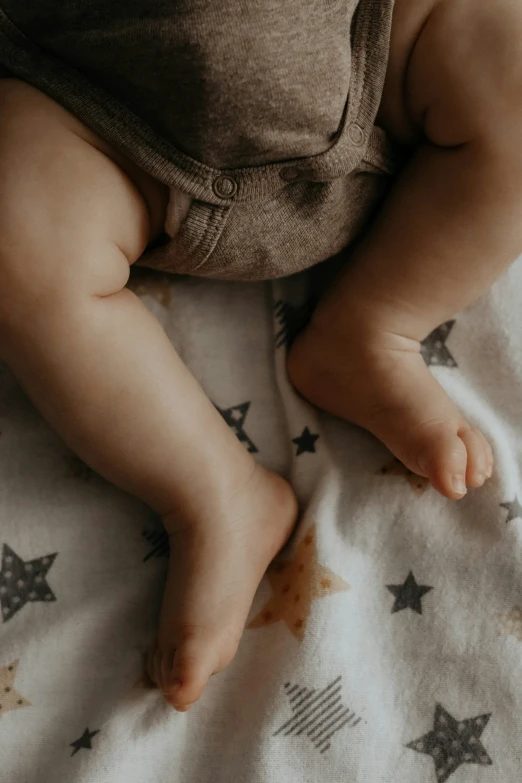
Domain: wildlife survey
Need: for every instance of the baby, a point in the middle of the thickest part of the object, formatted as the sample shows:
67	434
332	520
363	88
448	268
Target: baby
246	141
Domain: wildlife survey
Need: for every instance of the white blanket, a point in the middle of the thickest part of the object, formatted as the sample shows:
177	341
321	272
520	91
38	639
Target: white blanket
385	647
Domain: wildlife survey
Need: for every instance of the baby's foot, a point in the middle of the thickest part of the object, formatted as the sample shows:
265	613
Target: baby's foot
216	564
381	383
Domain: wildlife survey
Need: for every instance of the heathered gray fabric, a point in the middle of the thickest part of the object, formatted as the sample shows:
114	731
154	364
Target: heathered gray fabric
261	111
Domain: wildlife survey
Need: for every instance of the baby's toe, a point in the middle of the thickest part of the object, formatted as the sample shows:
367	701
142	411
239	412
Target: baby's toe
187	669
480	457
443	458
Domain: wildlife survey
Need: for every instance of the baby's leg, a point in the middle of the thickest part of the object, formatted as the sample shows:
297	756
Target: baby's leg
450	227
104	374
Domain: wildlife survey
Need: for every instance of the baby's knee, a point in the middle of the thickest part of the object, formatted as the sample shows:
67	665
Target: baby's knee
28	286
47	272
33	271
38	280
70	220
465	75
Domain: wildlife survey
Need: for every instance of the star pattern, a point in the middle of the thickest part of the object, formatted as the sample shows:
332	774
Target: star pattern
511	623
159	541
305	442
235	418
408	595
21	581
453	742
514	510
291	320
84	741
433	347
318	714
295	584
10	699
158	285
419	484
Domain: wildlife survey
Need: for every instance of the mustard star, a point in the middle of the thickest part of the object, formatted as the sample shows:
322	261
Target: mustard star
10	699
295	584
419	484
511	623
158	285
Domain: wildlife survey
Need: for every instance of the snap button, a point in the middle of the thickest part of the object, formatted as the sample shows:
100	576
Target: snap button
224	186
291	174
356	134
294	173
19	57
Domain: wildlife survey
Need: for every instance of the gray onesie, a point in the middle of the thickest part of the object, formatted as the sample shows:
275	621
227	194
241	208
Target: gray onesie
261	111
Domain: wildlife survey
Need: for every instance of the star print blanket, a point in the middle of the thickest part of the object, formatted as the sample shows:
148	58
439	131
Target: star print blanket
384	645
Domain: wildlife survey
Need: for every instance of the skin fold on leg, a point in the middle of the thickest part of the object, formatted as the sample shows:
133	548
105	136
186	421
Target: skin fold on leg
101	370
449	228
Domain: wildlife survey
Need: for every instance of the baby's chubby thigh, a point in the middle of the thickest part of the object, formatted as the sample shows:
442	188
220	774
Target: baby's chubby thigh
71	219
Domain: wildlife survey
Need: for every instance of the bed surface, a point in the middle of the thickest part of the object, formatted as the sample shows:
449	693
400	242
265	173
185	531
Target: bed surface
400	660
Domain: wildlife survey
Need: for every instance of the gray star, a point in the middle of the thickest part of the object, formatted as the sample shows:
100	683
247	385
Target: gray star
318	714
453	742
305	442
292	319
21	581
84	741
433	347
235	418
514	510
408	595
159	541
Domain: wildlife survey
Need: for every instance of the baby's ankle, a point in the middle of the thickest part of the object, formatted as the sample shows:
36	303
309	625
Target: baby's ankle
203	511
371	317
361	334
